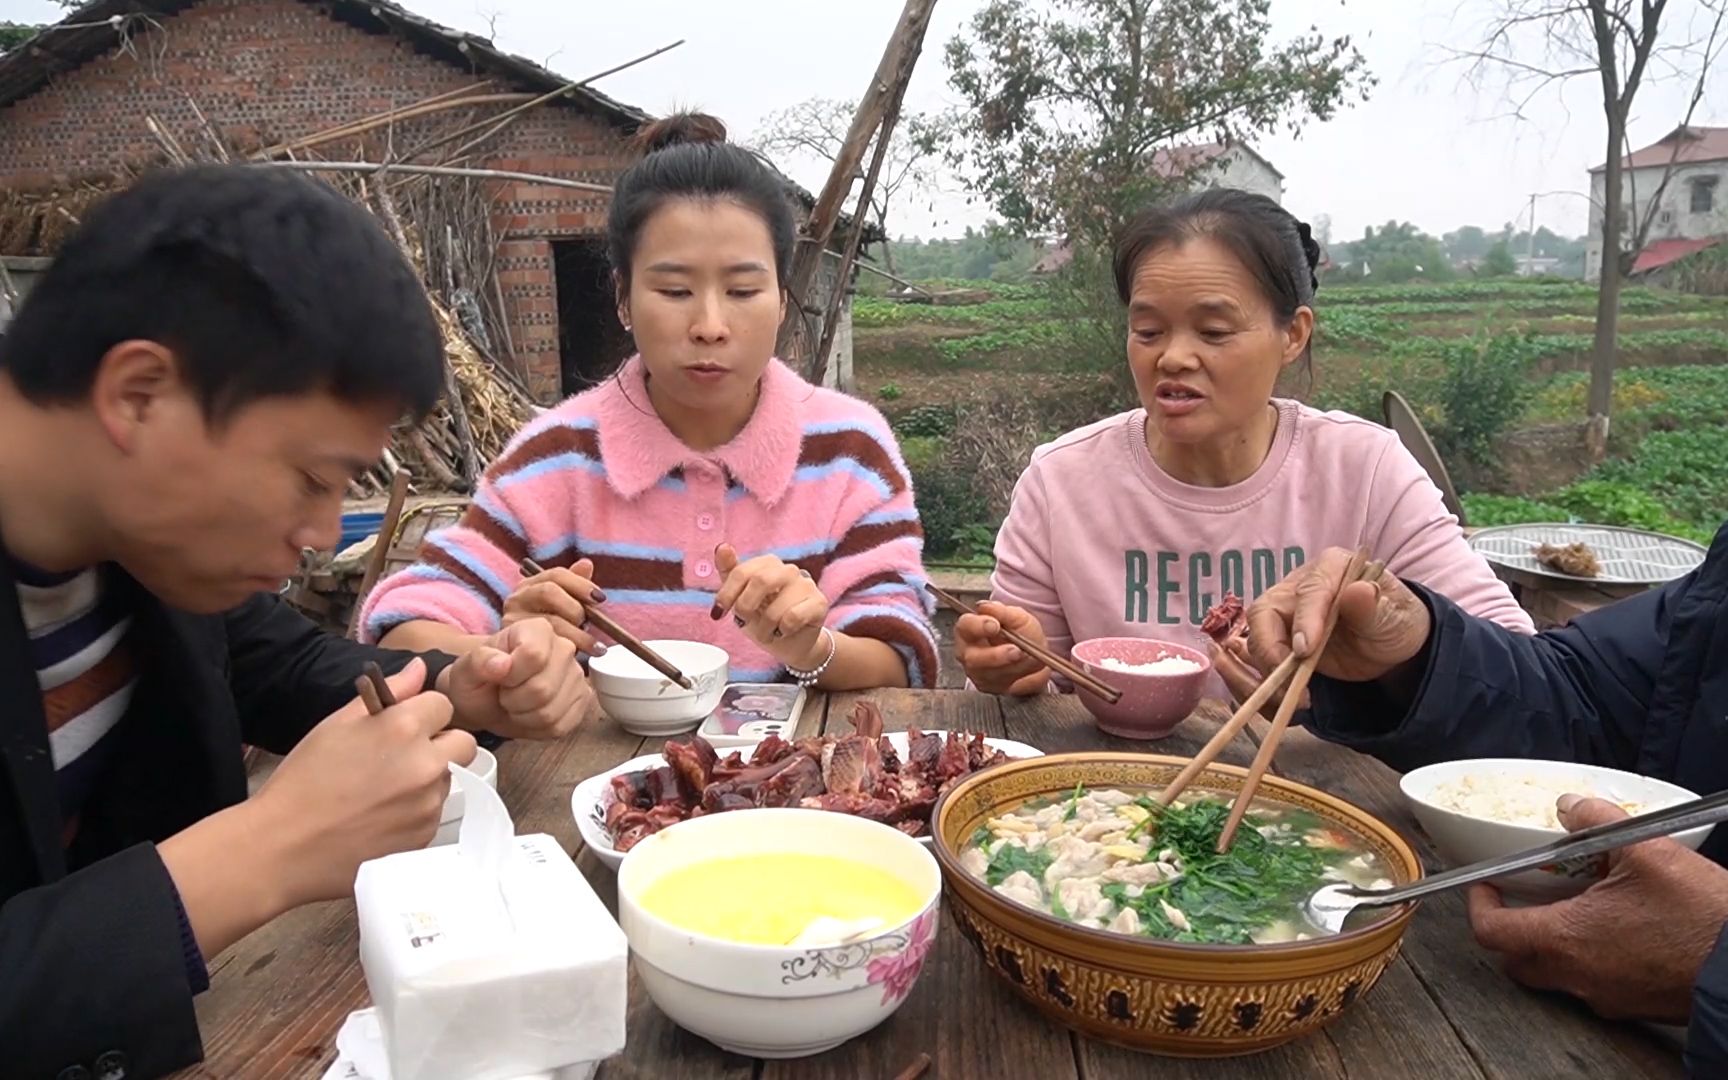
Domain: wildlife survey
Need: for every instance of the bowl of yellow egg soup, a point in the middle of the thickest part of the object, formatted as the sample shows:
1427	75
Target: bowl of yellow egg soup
644	702
779	933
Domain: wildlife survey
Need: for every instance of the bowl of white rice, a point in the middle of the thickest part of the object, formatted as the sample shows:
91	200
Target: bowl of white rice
1161	684
1484	807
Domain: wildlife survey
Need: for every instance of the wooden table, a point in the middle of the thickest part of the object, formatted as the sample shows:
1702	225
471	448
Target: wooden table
1442	1010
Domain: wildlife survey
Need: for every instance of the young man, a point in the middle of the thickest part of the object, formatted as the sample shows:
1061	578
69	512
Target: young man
183	400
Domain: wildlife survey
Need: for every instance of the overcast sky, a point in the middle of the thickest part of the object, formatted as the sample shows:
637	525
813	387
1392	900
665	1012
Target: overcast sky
1426	147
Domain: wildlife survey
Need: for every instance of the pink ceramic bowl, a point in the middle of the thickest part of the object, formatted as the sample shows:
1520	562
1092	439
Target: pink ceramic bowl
1151	705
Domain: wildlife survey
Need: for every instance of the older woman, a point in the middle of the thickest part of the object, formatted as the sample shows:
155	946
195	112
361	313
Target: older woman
1137	525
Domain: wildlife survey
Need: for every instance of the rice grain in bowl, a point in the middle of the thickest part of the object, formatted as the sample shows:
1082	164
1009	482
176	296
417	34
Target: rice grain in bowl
1161	683
1532	800
1481	808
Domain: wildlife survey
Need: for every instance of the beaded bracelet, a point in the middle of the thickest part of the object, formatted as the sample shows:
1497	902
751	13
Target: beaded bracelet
808	679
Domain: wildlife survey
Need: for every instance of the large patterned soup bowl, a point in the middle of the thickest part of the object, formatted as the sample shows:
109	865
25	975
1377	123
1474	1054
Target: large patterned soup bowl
1145	993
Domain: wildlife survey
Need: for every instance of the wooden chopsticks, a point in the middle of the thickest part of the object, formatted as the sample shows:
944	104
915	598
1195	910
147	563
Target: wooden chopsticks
374	691
1051	660
611	629
920	1065
1292	671
1360	569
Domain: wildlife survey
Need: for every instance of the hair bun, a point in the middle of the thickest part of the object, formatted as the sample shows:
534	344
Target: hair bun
1310	251
677	130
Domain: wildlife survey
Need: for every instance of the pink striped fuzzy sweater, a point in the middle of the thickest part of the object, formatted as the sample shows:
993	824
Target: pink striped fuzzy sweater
815	478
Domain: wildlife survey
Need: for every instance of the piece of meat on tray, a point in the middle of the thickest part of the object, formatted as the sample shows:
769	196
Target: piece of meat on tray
800	779
1575	559
851	764
922	752
693	761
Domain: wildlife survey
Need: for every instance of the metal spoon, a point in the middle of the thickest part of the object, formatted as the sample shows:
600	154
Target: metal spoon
1328	908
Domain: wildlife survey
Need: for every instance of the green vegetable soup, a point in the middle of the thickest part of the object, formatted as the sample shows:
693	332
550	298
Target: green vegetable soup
1115	860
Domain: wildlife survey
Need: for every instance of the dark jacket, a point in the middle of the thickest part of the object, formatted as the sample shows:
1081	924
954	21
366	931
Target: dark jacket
1641	685
93	972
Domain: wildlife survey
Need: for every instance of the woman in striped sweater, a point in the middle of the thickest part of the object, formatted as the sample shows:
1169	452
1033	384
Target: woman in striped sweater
707	492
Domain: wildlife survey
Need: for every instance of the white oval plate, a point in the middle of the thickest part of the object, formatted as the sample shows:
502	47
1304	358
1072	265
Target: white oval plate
592	796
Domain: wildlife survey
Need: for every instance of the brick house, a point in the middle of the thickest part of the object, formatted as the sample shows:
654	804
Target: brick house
257	73
1692	211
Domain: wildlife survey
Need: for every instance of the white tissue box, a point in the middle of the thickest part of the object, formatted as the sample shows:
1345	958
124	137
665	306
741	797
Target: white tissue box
482	978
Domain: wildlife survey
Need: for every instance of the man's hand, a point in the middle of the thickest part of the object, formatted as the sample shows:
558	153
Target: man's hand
1381	626
359	787
523	682
993	663
1630	946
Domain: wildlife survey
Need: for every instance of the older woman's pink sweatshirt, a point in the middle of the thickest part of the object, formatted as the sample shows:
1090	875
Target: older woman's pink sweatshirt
1101	542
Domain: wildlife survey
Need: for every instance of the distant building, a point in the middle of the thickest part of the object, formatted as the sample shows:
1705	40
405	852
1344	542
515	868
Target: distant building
1207	165
1221	165
1693	211
1537	265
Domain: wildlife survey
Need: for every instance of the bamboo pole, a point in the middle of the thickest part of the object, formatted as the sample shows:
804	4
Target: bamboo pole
367	167
552	95
818	364
350	131
293	144
895	67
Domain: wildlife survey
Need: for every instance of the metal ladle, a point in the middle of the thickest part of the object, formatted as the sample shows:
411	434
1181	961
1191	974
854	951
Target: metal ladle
1331	905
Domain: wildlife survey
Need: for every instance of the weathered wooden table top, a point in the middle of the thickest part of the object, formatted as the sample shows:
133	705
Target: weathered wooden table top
1442	1010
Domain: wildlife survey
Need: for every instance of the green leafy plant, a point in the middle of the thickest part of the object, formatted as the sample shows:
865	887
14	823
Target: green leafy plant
925	421
1225	897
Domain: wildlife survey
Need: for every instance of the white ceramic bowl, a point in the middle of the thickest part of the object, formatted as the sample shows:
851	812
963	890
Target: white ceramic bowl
645	702
592	797
485	766
774	1001
1464	839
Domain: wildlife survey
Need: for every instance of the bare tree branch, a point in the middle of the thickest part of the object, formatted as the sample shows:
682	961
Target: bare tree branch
817	127
1625	50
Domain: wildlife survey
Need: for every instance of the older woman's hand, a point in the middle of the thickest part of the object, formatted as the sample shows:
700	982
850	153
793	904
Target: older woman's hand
993	663
1381	627
1630	946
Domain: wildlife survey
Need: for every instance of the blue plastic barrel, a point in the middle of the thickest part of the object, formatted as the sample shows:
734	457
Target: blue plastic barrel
357	527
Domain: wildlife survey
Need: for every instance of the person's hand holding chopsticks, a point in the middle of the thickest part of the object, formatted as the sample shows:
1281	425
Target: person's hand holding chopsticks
524	682
361	784
1382	625
993	663
559	596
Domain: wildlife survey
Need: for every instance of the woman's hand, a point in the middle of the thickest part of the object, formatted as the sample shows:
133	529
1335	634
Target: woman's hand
558	596
993	663
776	604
